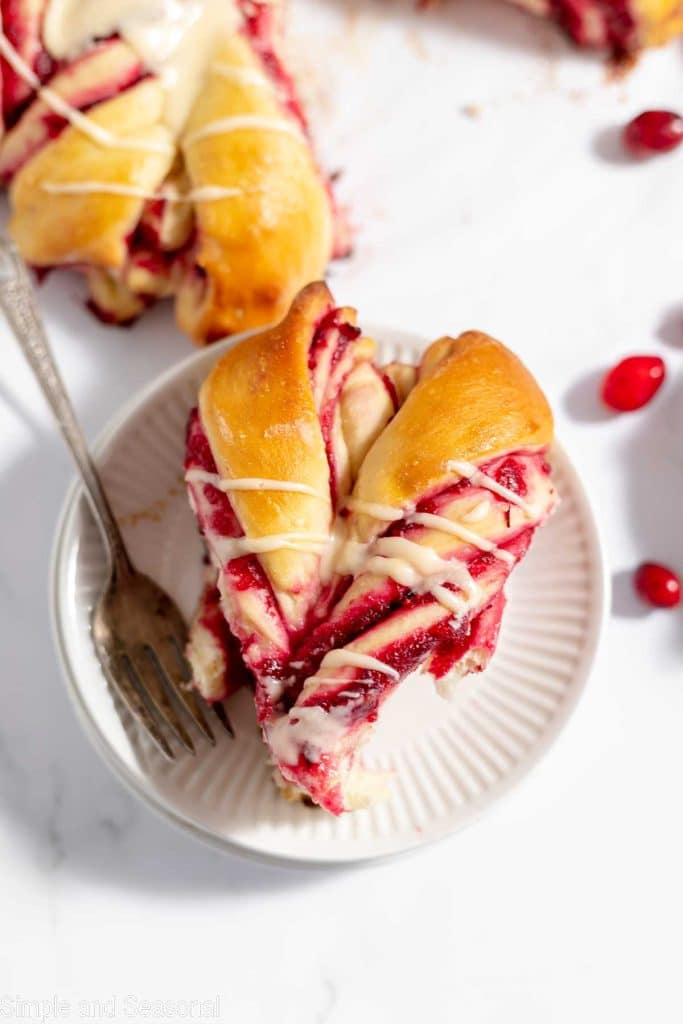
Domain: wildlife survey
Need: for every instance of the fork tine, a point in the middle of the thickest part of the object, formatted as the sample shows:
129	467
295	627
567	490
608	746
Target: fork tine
222	716
119	678
151	681
179	679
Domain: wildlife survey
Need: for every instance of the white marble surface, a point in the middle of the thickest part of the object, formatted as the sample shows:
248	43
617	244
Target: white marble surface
564	903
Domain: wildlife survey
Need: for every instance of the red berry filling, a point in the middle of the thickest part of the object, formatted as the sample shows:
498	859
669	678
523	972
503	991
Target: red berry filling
216	516
22	23
211	618
608	23
315	713
83	84
155	264
261	29
378	605
443	646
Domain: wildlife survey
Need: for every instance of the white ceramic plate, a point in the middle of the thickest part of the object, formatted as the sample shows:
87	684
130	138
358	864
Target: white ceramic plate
450	759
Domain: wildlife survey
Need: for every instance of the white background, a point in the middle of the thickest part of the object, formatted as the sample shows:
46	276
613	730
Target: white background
565	902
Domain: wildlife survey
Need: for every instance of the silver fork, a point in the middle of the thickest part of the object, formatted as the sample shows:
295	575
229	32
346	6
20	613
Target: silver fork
138	632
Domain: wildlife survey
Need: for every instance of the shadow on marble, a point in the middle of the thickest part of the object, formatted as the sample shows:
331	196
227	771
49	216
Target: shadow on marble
582	399
11	401
128	357
608	146
670	329
652	457
625	602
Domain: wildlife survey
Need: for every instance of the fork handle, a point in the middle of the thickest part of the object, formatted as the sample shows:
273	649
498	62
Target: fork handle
19	306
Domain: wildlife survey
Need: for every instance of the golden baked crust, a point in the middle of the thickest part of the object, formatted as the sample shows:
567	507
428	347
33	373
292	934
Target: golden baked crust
259	415
324	661
473	400
626	26
661	20
259	247
91	228
230	214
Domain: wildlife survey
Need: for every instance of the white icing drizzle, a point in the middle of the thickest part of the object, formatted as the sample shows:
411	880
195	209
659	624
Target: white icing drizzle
242	122
444	525
385	513
413	565
201	476
310	728
84	124
227	548
205	194
349	694
344	658
240	75
344	557
424	571
479	479
176	39
409	564
452	602
477	512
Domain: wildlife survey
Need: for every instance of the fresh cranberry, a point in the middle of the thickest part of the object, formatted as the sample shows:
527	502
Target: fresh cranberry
655	131
658	585
633	382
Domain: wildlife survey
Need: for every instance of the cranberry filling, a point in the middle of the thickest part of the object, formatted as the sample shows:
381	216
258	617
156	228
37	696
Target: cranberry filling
245	572
483	635
620	27
441	644
211	618
331	320
391	389
510	474
260	28
444	644
89	96
335	633
22	26
330	323
372	607
198	455
364	697
376	607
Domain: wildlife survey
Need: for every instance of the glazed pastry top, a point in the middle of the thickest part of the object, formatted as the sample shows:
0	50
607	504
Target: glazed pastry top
473	400
162	149
277	229
336	592
78	226
260	414
176	40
